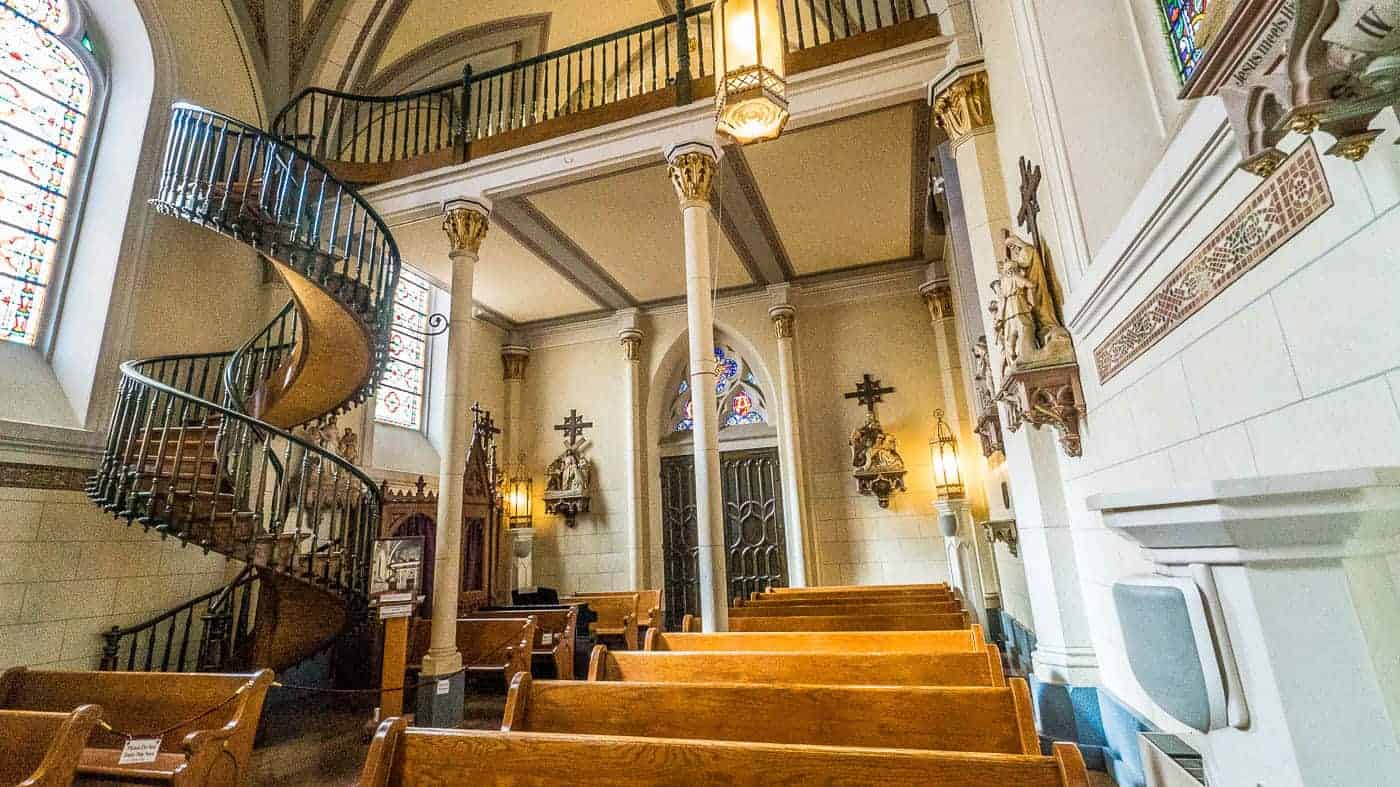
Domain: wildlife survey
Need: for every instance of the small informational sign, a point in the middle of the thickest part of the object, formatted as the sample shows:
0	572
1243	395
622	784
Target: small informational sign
396	570
387	611
547	638
443	686
139	751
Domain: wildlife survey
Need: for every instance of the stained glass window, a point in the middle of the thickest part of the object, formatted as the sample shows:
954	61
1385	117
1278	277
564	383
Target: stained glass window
45	97
1183	20
400	398
738	398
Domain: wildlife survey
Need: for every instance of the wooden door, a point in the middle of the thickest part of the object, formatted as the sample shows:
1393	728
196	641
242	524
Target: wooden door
755	541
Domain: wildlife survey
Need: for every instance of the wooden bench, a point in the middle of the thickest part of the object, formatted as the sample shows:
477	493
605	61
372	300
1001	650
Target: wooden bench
39	749
858	589
937	622
822	641
819	610
648	605
403	757
554	635
938	594
198	746
995	720
966	668
487	645
617	617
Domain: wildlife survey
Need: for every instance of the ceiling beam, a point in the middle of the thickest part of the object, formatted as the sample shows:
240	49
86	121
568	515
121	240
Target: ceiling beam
746	222
545	240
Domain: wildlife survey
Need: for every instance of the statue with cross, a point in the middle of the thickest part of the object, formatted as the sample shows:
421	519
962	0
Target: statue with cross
569	476
879	469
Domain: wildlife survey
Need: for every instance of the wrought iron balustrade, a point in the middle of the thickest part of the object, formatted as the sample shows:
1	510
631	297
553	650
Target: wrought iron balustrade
201	635
808	24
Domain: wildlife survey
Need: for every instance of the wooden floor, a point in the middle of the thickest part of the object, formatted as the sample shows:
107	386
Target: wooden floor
320	741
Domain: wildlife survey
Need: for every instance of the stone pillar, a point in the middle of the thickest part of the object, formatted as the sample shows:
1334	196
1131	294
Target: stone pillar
514	360
1064	651
465	223
960	543
629	338
692	167
800	541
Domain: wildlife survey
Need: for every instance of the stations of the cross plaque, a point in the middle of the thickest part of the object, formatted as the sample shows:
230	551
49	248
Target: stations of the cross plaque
573	427
869	392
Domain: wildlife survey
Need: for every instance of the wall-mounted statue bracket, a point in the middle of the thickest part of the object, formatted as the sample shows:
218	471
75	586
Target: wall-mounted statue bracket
569	484
879	469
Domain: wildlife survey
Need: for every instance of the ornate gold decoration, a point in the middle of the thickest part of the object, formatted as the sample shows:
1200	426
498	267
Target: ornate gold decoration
784	318
465	227
964	107
513	362
1263	164
693	174
1355	146
938	297
631	341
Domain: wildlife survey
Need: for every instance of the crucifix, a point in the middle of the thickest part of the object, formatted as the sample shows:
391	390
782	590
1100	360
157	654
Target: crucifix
483	419
573	426
869	392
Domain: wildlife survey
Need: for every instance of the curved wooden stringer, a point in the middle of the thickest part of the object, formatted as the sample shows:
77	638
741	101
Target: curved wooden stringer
201	446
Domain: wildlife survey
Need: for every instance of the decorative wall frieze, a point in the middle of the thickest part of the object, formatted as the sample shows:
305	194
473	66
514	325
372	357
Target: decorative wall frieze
514	360
25	476
1290	199
964	107
466	222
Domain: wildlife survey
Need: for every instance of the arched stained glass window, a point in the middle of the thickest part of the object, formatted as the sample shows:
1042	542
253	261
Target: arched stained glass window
46	98
738	398
400	398
1183	20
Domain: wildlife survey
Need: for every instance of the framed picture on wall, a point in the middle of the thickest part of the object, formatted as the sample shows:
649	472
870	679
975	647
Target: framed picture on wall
396	569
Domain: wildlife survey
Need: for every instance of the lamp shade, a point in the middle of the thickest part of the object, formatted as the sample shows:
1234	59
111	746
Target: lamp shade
943	455
518	495
750	75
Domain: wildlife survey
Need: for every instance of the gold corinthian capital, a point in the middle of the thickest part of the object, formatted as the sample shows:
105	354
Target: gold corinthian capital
693	173
964	107
465	224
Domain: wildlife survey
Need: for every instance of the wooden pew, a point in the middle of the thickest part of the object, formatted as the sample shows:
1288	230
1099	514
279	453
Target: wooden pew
966	668
617	617
850	595
418	757
819	610
823	641
994	720
554	635
858	588
208	749
487	645
937	622
39	749
648	605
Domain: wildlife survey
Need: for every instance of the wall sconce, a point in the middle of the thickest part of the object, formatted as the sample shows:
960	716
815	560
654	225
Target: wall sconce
750	72
518	495
943	453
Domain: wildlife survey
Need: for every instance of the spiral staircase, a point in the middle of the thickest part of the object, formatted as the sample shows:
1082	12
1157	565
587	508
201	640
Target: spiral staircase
201	447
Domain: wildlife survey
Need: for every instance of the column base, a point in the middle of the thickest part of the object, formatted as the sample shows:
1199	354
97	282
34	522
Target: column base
1077	666
437	708
1104	729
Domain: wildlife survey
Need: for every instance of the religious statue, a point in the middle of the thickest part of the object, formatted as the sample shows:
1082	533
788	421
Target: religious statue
988	419
348	446
569	477
879	469
1028	331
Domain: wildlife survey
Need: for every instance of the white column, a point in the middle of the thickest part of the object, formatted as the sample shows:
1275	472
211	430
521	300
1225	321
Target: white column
514	360
630	339
1064	648
465	224
960	542
693	167
800	541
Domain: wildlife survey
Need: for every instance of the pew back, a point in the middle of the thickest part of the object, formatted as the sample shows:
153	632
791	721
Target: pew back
41	749
648	604
867	622
403	757
968	668
823	641
617	617
859	588
996	720
847	608
849	595
208	719
554	625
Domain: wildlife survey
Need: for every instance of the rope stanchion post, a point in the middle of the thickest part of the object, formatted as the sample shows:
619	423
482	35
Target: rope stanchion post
394	663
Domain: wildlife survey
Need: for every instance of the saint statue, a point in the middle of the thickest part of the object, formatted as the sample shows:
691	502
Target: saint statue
874	451
569	473
1027	329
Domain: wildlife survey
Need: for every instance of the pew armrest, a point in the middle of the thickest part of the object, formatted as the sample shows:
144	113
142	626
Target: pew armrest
381	752
653	618
204	750
629	631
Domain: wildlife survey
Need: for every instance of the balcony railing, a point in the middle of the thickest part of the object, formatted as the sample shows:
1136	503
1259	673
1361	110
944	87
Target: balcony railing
665	62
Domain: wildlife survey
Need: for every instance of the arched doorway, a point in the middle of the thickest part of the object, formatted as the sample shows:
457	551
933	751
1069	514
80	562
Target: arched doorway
751	486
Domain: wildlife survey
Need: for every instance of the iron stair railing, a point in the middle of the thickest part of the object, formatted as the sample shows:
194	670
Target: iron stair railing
186	453
200	635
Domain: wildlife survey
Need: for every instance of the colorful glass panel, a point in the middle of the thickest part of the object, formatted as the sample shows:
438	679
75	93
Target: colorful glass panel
1183	20
742	404
738	398
45	97
400	399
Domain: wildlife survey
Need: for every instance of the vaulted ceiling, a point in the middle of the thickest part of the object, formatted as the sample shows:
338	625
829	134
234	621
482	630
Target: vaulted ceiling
840	196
